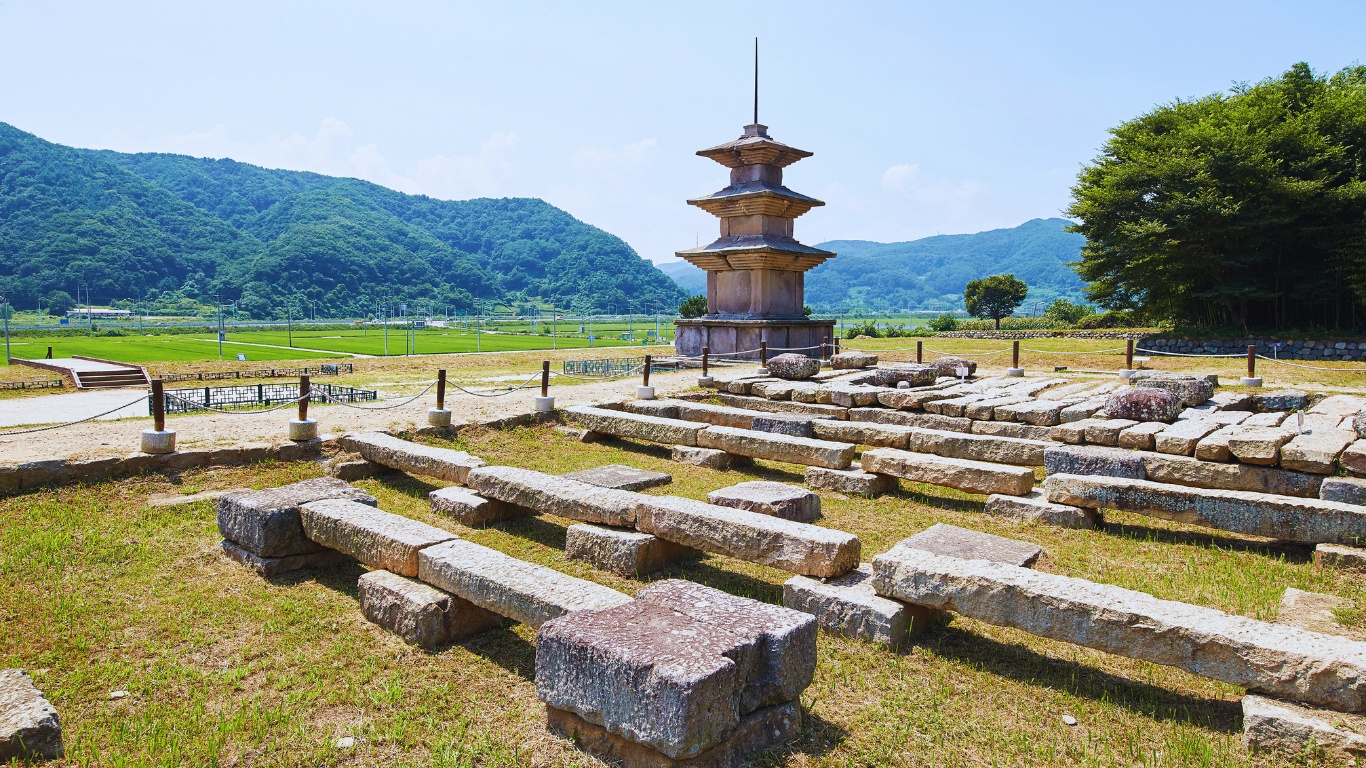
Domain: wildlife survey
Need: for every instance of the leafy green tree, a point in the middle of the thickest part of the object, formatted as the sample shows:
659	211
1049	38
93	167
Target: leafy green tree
59	303
1247	208
994	297
944	322
693	306
1064	312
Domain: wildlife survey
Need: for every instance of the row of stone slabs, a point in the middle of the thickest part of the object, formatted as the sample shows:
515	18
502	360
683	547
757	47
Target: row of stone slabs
977	575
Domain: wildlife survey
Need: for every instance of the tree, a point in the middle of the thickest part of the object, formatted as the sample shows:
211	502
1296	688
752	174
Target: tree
693	306
59	303
994	297
1246	208
1064	312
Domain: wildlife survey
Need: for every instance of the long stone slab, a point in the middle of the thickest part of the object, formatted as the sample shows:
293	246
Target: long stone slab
1318	669
962	474
1287	518
783	406
555	495
525	592
266	523
1183	470
802	548
1316	451
1288	729
769	498
960	445
378	539
716	415
775	447
420	614
29	726
415	458
621	477
944	539
634	426
625	552
848	605
862	432
1010	429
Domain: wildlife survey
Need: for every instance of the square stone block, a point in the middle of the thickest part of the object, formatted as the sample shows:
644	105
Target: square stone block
848	605
266	522
469	508
853	481
273	566
29	727
702	457
621	477
1340	556
625	552
1036	508
420	614
778	499
952	541
795	424
378	539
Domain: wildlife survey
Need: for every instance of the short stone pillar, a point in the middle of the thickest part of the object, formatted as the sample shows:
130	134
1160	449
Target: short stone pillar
645	393
303	430
1127	373
1250	381
1017	372
158	441
546	404
439	417
705	381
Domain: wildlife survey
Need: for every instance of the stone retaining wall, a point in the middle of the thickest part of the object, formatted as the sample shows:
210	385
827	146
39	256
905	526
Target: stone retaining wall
1293	349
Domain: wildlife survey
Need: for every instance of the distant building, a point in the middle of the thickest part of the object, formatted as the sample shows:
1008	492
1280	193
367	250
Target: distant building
98	313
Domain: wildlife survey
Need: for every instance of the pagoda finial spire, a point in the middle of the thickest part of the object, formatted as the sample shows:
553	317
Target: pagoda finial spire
756	81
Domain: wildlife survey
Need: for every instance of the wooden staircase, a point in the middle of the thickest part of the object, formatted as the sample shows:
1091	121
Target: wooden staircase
128	377
92	372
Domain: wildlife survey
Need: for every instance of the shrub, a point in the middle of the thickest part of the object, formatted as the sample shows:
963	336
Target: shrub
945	322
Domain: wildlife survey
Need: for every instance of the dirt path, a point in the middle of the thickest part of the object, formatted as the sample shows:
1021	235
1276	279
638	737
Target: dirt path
119	438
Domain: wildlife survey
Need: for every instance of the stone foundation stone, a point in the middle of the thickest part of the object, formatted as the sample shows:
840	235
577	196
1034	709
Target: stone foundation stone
1281	400
415	458
701	457
1190	390
952	541
849	606
621	477
29	726
420	614
627	553
769	498
793	367
266	522
274	566
1036	508
961	474
378	539
852	482
469	508
851	360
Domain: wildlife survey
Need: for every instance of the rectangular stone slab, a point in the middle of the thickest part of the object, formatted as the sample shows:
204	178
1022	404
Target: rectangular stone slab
414	458
944	539
420	614
766	497
962	474
29	726
621	477
469	508
625	552
959	445
1036	508
525	592
1316	451
862	432
634	426
378	539
274	566
702	457
1142	436
1093	460
1287	518
1323	670
985	409
1182	470
266	522
849	606
1287	729
555	495
909	419
1181	438
801	548
782	406
716	415
853	481
766	445
1010	429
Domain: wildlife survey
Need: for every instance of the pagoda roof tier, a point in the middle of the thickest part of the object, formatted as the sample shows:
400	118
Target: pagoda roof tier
754	148
756	198
755	252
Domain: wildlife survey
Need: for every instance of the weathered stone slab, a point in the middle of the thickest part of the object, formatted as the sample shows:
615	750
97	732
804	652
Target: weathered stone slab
1214	446
554	495
962	474
909	419
420	614
793	367
958	445
378	539
913	374
1083	410
1181	438
773	390
1044	413
1010	429
1217	416
804	391
635	426
701	457
786	639
952	541
1340	556
911	399
985	410
1106	431
468	508
794	424
1354	458
1093	460
274	566
525	592
1292	730
1074	433
621	477
663	409
1348	490
783	406
1259	514
625	552
849	606
1281	400
1183	470
769	498
1316	452
414	458
853	481
852	360
1259	445
1313	611
29	726
1339	405
766	445
719	415
862	432
1035	507
756	732
266	522
1267	419
1189	389
801	548
1231	401
1323	670
953	406
1142	436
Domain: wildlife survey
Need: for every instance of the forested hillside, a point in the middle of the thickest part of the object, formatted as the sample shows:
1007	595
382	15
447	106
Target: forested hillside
161	225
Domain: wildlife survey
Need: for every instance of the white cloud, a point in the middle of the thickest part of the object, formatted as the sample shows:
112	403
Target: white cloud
906	179
897	177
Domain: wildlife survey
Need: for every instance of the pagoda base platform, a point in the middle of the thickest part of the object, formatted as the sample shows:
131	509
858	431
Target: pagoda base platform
724	337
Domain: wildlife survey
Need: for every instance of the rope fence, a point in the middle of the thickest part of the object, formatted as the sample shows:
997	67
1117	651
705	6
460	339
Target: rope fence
73	423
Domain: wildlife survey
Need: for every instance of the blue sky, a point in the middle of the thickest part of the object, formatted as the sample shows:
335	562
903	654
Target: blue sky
925	118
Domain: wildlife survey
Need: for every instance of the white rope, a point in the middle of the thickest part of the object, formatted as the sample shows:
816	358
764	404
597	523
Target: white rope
1311	367
499	394
70	423
338	401
1077	352
1181	354
967	354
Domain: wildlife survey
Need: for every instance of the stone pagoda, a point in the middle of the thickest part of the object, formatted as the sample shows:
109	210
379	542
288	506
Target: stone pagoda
755	289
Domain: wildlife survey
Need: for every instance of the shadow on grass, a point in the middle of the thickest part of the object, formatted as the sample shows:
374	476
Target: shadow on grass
406	484
704	570
535	528
1292	552
1016	662
818	737
503	647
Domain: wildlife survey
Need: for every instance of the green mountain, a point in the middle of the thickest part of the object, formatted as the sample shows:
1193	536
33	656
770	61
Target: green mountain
173	226
930	273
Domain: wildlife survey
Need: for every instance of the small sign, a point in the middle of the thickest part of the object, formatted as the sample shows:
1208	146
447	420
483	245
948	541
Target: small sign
241	357
222	336
962	372
590	338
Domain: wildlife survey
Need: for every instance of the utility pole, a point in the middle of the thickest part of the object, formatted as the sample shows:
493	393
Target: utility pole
6	311
289	320
219	305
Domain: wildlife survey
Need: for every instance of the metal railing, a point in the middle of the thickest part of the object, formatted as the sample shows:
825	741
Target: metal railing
610	367
35	384
329	369
259	396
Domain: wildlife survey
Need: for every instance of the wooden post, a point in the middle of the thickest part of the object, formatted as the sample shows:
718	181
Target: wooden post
920	351
304	389
1129	355
49	353
1252	361
441	389
763	353
545	378
1015	355
825	348
158	406
705	352
646	382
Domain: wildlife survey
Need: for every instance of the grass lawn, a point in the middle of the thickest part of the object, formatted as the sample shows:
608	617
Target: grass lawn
101	592
145	349
429	341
